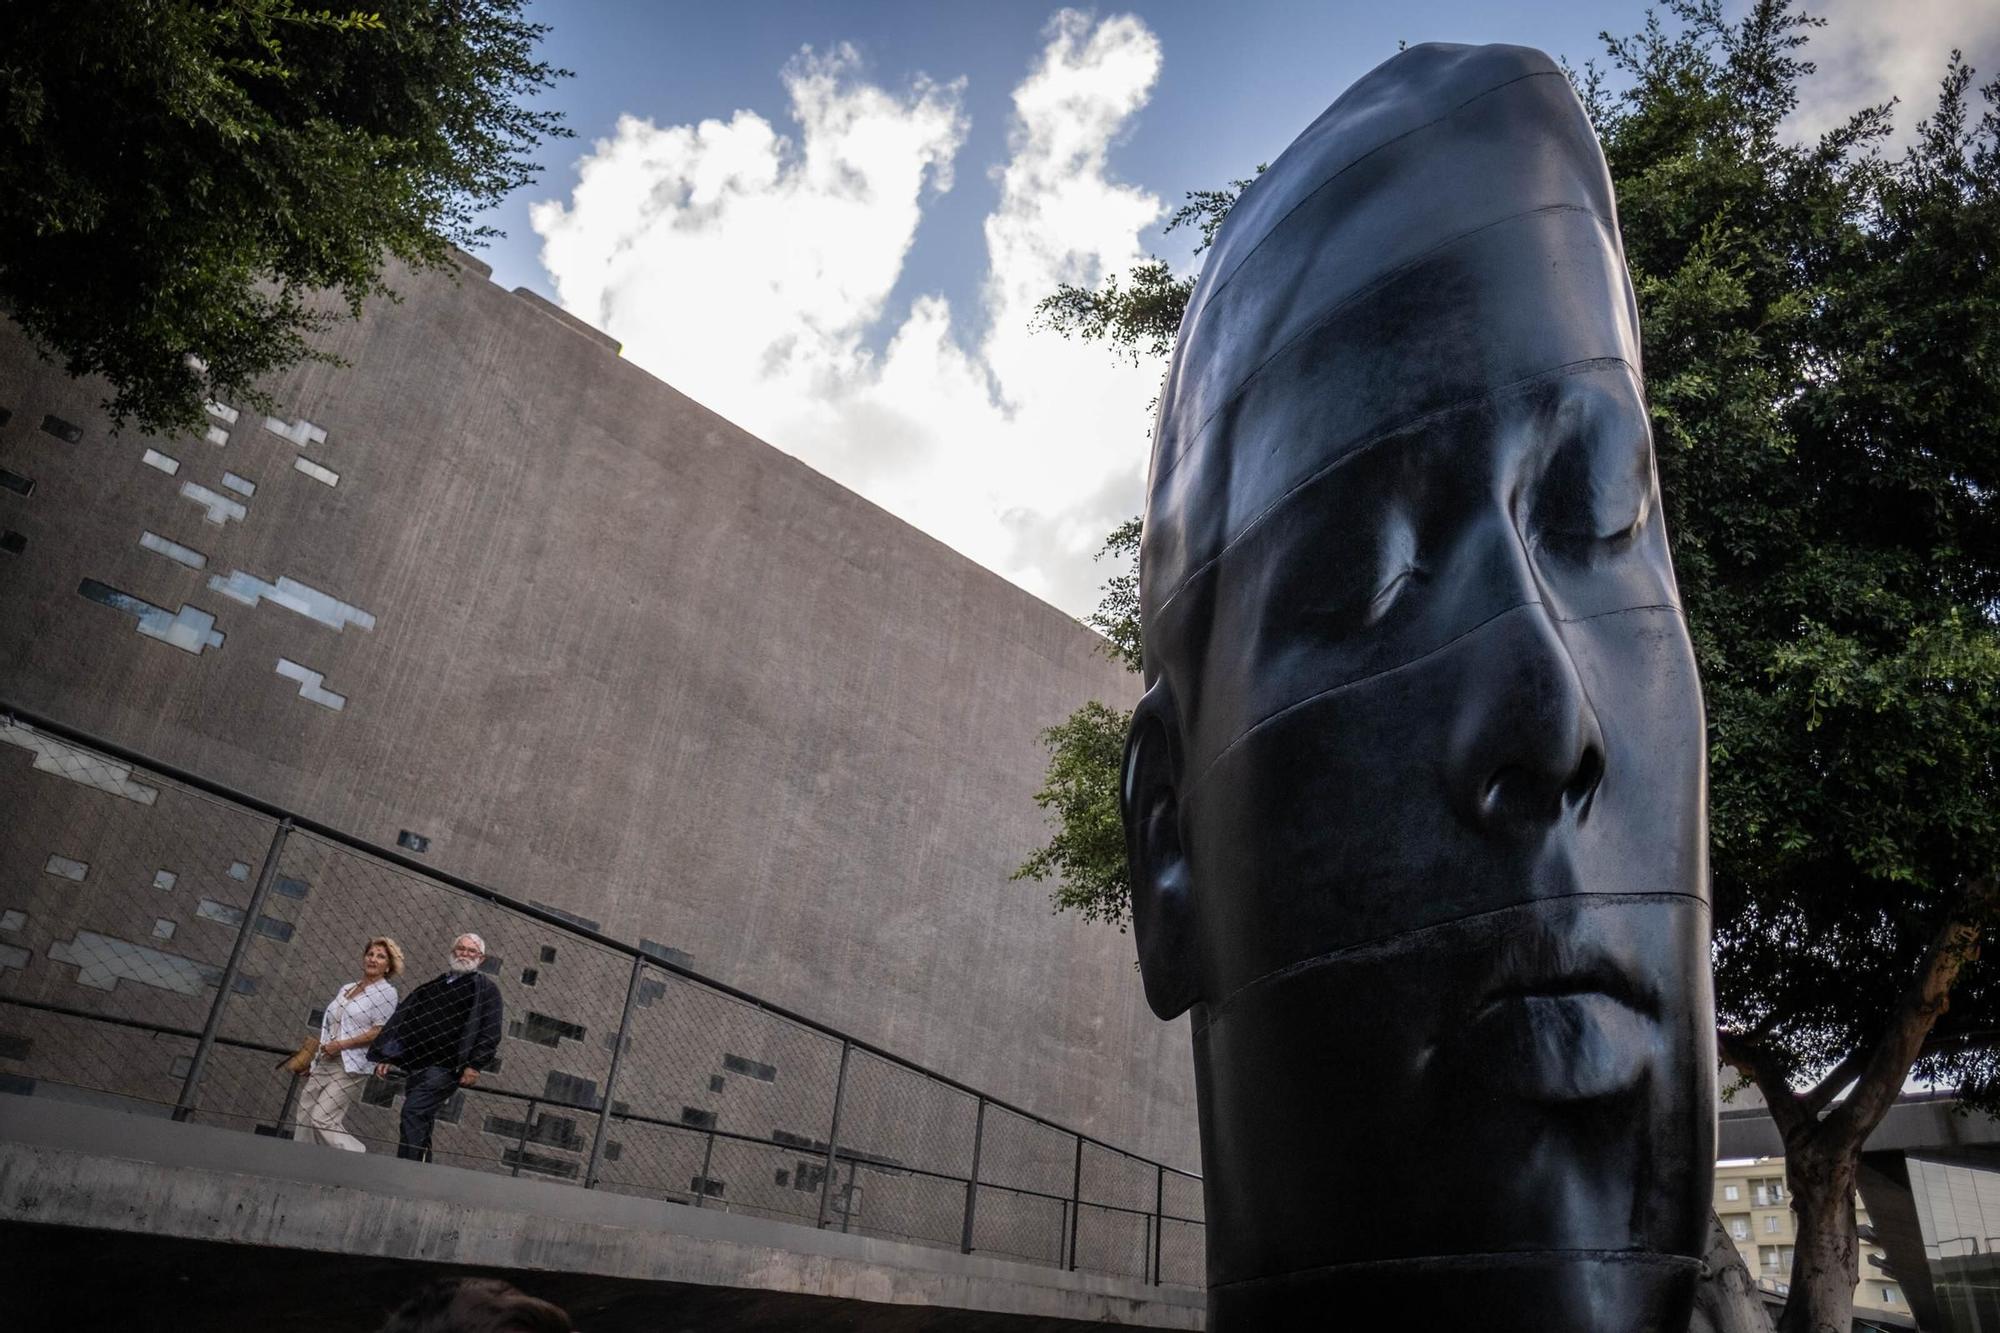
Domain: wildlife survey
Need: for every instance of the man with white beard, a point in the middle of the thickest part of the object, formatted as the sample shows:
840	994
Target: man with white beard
441	1036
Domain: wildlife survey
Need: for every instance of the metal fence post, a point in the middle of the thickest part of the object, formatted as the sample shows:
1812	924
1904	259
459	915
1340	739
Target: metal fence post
191	1086
527	1128
707	1158
611	1076
1075	1201
972	1183
833	1133
1159	1215
288	1113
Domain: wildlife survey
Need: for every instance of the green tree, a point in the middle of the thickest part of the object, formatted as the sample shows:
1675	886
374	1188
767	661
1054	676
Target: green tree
178	178
1142	316
1821	324
1822	335
1085	853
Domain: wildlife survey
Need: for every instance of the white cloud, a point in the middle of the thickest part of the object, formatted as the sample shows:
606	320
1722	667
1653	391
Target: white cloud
747	269
1872	50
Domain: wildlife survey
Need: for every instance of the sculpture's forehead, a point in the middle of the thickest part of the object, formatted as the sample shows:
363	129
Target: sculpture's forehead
1535	300
1435	105
1445	230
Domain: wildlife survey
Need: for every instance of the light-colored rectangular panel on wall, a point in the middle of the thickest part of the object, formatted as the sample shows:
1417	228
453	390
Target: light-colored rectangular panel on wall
300	432
311	685
173	550
242	586
220	508
324	475
189	629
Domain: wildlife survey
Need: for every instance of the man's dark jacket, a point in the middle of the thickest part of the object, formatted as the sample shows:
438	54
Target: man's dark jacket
452	1022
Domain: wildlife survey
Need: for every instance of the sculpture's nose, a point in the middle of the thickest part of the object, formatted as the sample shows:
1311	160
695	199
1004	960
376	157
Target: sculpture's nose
1525	746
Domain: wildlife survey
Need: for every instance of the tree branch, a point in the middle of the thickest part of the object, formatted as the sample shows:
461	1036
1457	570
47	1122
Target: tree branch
1756	1061
1888	1060
1816	1098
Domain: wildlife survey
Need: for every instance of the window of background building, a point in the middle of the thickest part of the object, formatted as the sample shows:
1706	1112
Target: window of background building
1739	1227
1731	1193
1771	1225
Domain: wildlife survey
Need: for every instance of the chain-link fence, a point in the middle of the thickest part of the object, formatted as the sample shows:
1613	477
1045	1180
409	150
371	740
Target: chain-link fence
166	944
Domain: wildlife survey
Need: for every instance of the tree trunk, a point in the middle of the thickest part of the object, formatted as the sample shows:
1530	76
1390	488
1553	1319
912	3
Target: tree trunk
1826	1264
1824	1137
1727	1299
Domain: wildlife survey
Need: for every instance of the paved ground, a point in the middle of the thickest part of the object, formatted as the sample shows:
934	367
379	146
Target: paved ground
115	1221
85	1280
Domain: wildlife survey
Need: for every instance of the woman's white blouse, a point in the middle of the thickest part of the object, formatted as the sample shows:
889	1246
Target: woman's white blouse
346	1019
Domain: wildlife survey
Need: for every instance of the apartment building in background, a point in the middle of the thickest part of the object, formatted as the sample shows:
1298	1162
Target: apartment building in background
1754	1208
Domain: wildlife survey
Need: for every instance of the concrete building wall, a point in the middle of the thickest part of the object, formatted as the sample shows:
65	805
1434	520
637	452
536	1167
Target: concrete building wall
605	651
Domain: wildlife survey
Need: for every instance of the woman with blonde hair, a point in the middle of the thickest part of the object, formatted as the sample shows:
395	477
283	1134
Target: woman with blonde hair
352	1018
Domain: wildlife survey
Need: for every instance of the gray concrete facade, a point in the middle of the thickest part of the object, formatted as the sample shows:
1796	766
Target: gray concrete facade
494	585
78	1167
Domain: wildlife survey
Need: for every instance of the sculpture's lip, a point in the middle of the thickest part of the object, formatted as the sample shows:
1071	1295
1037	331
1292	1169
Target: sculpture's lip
1562	1048
1561	1020
1553	964
1563	1017
1566	952
1605	980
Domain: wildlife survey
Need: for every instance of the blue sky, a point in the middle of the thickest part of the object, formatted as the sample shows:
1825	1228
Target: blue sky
1238	81
829	221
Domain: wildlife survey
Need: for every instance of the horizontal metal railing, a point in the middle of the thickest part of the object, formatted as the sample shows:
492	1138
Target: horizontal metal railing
937	1161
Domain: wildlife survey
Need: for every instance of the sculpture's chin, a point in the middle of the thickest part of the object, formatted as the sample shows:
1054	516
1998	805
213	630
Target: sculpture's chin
1442	1102
1618	1292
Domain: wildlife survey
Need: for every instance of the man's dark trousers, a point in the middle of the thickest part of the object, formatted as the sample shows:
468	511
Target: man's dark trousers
426	1092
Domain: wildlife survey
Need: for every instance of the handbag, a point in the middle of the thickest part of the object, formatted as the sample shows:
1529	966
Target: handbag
301	1060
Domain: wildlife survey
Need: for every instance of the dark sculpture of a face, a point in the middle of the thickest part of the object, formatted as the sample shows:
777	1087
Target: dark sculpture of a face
1416	797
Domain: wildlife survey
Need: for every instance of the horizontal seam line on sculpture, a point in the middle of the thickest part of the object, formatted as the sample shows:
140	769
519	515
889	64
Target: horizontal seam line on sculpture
1375	943
1382	436
1618	611
1518	1258
1222	284
1359	295
1351	298
1315	697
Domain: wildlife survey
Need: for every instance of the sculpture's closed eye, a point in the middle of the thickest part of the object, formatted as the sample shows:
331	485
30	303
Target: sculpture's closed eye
1594	501
1386	596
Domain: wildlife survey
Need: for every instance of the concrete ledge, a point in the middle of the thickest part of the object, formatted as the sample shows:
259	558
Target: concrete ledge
1912	1124
569	321
75	1166
467	260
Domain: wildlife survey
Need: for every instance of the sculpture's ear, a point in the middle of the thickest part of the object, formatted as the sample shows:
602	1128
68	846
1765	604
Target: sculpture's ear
1163	917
